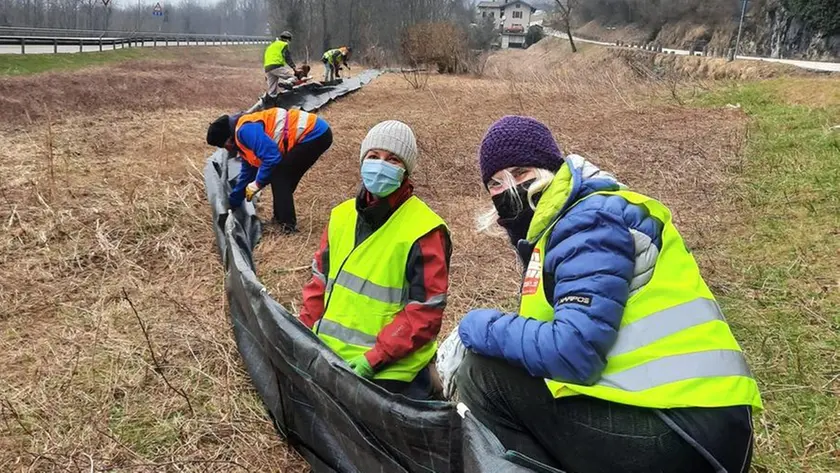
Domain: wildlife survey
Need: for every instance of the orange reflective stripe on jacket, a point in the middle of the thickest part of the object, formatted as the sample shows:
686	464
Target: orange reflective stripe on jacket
286	128
268	118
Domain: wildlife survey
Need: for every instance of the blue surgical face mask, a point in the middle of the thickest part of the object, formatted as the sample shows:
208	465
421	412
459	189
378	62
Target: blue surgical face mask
380	177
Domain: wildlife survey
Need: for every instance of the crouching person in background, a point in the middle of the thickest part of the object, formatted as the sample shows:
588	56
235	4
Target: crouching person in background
618	358
381	273
277	147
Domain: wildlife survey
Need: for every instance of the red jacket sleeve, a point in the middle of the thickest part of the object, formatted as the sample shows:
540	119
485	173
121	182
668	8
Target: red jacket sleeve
427	271
313	291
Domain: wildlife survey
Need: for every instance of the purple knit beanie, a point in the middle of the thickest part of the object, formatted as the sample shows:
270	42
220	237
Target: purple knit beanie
517	141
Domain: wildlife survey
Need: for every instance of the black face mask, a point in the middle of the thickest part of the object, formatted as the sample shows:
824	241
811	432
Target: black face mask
515	214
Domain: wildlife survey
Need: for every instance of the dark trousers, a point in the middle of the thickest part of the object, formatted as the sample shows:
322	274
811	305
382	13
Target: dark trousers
581	434
286	176
420	388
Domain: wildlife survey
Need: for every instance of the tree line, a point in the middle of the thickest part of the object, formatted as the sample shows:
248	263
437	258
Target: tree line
370	27
233	17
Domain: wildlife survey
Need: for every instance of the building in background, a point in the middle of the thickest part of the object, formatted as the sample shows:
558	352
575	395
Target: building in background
512	18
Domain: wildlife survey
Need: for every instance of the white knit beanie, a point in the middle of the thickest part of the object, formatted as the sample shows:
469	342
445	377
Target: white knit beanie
393	136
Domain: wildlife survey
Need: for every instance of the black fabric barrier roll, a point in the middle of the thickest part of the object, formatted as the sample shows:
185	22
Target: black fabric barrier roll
310	97
336	420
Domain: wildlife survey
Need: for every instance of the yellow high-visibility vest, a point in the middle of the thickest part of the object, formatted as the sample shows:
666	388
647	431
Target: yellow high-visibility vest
367	285
674	348
274	54
334	56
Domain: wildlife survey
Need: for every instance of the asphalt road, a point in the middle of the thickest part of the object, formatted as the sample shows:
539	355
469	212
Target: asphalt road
812	65
68	49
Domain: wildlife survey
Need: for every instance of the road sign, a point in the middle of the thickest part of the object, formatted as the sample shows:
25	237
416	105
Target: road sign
157	10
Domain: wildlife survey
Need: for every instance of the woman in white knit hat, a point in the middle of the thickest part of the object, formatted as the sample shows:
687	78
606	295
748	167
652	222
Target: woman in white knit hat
380	276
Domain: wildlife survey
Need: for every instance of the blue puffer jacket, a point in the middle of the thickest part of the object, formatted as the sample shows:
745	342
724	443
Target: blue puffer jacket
604	248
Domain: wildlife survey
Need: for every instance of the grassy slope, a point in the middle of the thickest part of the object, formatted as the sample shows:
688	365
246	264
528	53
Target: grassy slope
14	64
784	301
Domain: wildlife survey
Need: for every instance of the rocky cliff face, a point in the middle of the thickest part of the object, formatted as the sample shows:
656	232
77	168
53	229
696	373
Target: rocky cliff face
772	30
781	35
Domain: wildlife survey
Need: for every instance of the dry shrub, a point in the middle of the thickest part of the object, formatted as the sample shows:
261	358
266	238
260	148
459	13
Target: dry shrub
416	77
373	56
441	44
476	62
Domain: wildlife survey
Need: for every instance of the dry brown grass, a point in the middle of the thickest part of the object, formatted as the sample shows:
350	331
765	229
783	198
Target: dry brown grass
209	77
116	203
673	153
96	203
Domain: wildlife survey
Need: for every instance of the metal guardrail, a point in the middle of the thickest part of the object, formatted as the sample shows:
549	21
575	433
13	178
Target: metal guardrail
57	37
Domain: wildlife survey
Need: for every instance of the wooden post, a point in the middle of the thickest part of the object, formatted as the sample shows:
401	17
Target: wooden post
55	46
81	45
100	45
23	45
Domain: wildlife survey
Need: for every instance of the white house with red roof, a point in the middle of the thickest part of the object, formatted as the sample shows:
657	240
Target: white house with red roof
511	17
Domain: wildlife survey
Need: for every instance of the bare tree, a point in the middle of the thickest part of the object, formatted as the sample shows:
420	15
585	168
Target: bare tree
564	11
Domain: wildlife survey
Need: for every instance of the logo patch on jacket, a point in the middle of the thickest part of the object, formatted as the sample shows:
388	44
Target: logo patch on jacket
575	299
532	274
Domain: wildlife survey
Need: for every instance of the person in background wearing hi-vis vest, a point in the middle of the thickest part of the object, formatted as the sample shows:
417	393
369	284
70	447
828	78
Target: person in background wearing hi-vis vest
277	147
333	60
278	64
381	273
618	358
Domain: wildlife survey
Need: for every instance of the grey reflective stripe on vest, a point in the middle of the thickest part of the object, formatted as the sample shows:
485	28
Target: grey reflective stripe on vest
346	335
670	369
388	295
665	323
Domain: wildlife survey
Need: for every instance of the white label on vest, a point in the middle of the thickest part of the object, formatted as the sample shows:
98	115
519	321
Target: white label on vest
532	274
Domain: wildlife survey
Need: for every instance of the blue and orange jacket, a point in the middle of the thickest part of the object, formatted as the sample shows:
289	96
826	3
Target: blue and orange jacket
264	138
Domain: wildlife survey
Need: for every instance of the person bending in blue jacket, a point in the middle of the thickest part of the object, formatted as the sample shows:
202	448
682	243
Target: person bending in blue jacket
277	147
618	359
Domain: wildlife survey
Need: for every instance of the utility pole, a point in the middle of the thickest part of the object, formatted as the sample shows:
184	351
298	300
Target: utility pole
740	28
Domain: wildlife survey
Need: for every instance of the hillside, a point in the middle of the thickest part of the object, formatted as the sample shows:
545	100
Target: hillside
806	29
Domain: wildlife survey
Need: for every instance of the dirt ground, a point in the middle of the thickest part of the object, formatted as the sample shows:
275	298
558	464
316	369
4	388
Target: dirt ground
107	249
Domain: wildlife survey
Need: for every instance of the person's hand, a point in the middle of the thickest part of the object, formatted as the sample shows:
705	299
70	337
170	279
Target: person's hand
251	190
361	366
450	354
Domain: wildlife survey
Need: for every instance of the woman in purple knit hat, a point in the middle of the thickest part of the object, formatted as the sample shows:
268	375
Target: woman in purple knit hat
618	358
